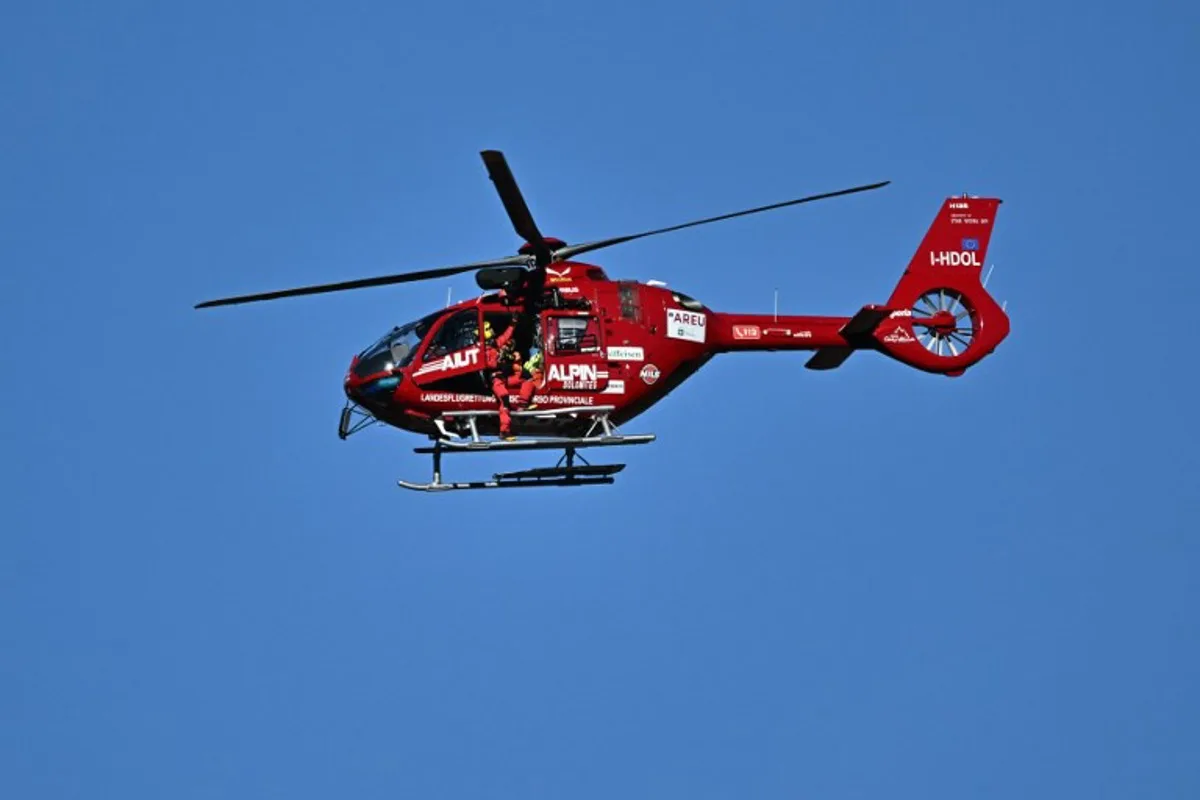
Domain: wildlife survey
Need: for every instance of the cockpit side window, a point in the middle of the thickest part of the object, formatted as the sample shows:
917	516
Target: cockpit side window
458	332
402	352
403	345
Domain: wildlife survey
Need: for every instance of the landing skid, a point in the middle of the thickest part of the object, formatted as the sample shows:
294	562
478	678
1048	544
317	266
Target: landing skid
569	474
565	473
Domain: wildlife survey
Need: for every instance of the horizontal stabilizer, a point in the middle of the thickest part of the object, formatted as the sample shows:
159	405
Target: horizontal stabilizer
862	323
829	357
857	332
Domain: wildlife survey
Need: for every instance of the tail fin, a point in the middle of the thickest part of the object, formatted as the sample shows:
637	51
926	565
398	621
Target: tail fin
955	246
943	319
939	318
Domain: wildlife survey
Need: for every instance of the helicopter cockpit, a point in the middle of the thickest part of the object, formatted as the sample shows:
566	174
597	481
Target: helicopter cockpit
394	349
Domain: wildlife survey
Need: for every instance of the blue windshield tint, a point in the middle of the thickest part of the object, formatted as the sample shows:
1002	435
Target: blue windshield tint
394	350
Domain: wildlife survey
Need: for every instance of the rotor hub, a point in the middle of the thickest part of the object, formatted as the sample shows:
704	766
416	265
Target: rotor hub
943	322
528	249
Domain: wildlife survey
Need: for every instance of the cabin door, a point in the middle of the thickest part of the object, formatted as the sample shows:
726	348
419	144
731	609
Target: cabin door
574	353
453	358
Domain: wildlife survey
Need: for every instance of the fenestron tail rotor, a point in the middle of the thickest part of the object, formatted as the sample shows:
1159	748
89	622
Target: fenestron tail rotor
943	322
524	273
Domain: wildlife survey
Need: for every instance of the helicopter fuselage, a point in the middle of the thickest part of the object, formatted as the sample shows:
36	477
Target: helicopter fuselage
626	344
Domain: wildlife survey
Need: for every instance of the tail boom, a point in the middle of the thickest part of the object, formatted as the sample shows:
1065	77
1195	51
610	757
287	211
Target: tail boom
755	332
834	338
939	318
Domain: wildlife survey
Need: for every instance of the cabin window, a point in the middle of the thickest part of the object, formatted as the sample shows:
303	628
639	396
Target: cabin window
574	335
630	297
458	332
687	302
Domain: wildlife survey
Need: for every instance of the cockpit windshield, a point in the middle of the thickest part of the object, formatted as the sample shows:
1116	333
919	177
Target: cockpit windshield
395	349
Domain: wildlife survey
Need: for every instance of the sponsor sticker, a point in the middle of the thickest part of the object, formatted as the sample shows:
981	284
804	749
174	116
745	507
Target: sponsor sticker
578	377
690	326
649	374
899	336
626	354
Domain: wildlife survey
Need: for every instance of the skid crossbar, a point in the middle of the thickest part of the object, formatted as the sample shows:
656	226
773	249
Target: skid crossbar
601	433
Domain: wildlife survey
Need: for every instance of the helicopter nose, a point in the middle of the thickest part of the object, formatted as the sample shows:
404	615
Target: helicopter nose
352	383
367	386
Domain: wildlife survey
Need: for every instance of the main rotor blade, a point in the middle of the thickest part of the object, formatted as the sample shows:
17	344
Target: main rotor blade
564	253
514	204
383	280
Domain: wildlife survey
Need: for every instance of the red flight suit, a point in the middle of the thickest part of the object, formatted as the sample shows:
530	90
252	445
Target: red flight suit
502	383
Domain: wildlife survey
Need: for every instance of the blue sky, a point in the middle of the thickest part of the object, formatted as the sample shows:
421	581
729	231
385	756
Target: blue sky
840	585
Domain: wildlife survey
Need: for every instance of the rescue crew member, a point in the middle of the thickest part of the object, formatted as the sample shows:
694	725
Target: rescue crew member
525	379
534	382
499	355
533	368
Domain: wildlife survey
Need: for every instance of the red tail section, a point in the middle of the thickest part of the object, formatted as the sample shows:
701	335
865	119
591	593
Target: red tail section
939	318
942	319
955	246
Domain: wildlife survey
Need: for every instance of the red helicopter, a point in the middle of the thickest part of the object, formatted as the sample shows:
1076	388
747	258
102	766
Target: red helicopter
560	355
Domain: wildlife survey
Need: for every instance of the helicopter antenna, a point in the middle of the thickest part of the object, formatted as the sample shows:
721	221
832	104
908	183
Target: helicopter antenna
448	290
1004	305
989	274
777	304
